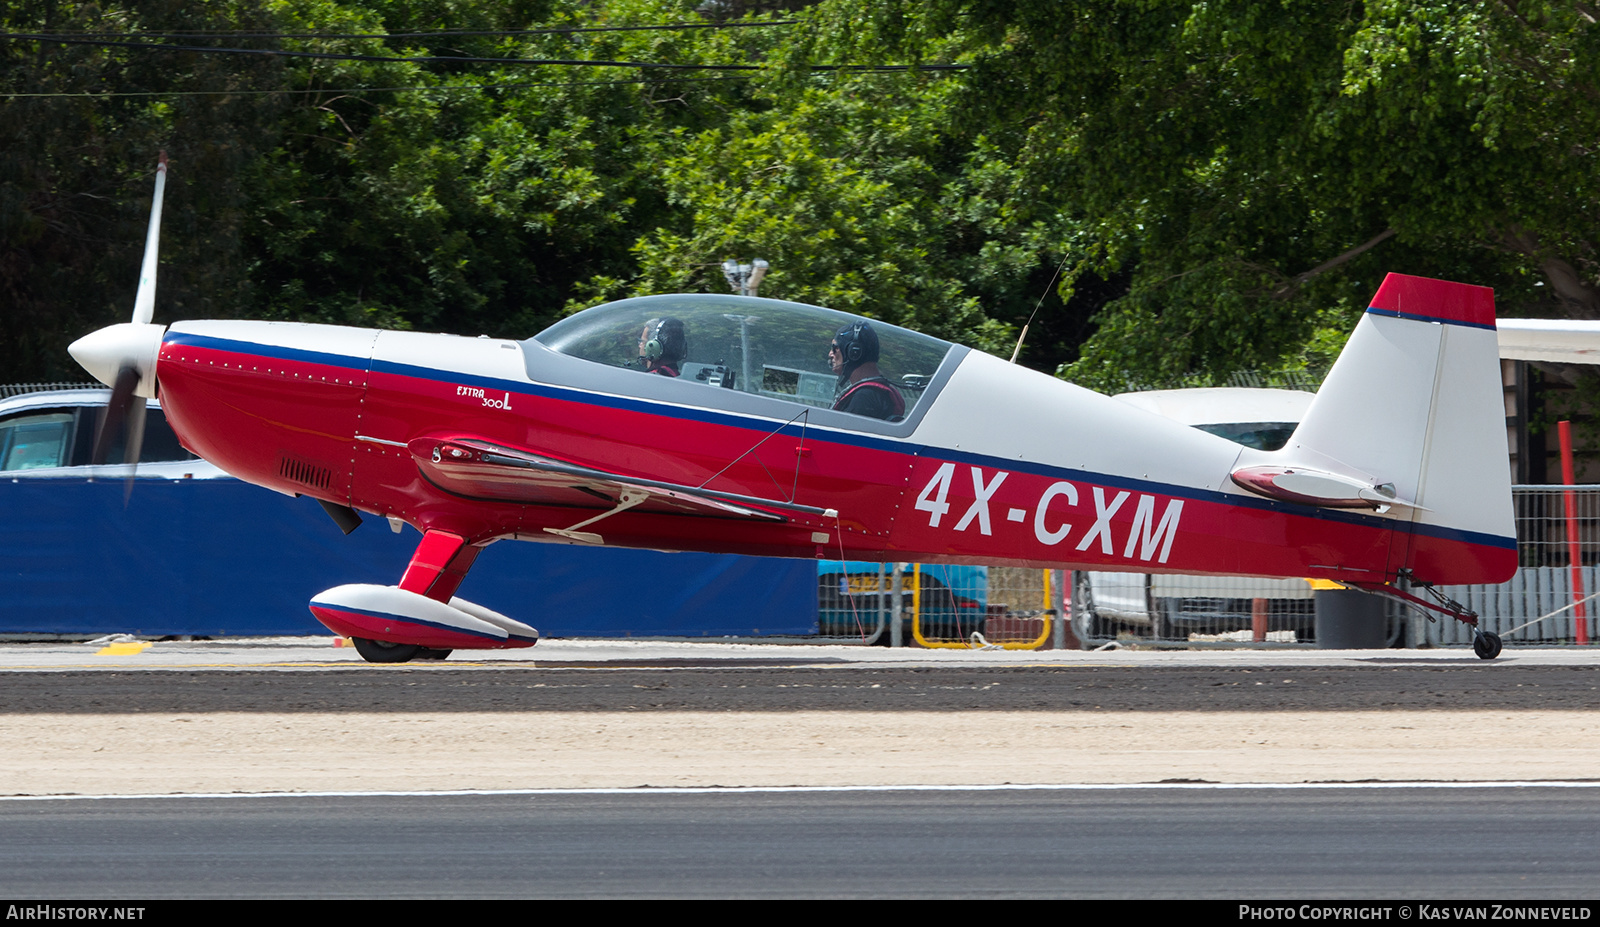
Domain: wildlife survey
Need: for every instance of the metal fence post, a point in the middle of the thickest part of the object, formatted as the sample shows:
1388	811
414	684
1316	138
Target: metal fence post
1058	634
1580	623
896	608
1416	624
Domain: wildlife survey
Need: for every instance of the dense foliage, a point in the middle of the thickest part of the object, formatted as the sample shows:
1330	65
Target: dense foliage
1183	190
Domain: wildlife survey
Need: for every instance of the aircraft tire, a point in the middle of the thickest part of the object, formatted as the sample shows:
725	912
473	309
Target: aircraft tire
1486	645
385	652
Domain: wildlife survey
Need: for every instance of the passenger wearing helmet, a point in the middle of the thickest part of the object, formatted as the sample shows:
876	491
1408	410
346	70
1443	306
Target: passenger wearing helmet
862	388
662	346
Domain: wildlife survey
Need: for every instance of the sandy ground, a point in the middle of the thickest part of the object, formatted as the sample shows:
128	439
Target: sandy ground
229	751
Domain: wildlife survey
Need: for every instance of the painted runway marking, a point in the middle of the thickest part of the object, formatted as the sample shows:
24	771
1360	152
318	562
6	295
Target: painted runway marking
735	790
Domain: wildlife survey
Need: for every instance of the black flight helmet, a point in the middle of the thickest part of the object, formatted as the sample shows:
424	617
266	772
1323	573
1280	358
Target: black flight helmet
857	344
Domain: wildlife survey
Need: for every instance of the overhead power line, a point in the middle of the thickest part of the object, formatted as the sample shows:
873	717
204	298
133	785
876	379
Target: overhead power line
454	59
448	33
437	88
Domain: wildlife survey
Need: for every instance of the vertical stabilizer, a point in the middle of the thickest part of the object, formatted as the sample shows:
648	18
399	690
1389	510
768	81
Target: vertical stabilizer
1413	416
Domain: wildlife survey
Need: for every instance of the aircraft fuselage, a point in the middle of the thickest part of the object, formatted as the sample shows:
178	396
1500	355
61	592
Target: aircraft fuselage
1004	466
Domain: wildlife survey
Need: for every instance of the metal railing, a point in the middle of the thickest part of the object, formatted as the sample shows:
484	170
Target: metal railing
1542	524
7	390
965	607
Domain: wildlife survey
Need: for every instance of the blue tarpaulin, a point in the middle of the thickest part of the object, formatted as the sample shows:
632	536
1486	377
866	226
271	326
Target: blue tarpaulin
222	557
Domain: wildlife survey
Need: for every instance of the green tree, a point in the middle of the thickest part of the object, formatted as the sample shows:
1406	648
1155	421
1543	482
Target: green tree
1254	169
77	167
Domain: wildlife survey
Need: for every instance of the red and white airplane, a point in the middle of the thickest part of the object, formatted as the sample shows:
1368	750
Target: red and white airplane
1398	471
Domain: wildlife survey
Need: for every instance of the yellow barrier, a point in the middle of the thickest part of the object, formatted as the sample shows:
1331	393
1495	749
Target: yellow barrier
977	640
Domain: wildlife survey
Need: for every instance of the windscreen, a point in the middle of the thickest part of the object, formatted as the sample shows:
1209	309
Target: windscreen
762	346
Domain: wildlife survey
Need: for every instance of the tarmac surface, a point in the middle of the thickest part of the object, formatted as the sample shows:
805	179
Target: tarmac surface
315	675
292	768
955	683
300	715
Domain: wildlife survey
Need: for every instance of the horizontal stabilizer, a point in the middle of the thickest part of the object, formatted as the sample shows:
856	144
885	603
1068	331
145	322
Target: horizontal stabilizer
1319	487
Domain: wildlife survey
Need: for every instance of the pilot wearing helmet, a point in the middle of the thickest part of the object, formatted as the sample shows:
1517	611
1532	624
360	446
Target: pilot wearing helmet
862	389
663	345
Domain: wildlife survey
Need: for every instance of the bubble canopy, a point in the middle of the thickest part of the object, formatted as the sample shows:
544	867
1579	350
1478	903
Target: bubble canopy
764	347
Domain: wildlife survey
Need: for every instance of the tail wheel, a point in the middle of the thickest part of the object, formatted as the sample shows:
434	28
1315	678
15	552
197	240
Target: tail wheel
385	652
1486	645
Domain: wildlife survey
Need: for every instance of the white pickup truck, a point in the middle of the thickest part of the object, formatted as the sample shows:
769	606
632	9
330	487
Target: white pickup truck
1164	605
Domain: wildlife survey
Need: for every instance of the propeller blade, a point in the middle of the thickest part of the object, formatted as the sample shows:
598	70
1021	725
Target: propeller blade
135	443
144	304
117	414
124	356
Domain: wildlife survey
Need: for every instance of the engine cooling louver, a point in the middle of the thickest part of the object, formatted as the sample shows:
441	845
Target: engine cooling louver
302	472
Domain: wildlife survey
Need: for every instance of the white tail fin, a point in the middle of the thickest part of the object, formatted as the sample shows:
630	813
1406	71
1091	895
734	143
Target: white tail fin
1411	422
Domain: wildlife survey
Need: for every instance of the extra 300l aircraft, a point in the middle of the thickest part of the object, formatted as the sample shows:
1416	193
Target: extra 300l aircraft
1398	471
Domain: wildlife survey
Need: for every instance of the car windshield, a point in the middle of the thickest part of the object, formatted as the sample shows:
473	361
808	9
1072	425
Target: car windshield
32	442
1264	436
762	346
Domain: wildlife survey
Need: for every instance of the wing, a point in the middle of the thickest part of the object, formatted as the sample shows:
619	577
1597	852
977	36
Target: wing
480	469
1566	341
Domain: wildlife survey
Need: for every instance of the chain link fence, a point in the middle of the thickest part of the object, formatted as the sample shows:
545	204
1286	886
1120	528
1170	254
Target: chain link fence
943	606
1532	607
1536	605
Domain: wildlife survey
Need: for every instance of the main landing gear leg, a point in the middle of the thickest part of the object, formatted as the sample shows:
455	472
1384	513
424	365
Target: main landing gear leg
439	565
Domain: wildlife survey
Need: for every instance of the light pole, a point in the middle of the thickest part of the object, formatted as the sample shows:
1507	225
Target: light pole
744	278
744	346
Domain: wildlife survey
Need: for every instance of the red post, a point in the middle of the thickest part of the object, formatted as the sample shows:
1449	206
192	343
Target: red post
1258	619
1580	621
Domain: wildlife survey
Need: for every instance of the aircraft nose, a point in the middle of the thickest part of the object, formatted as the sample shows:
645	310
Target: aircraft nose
130	344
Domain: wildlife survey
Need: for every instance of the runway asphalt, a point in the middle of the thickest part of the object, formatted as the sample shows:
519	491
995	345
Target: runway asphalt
1392	847
313	675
